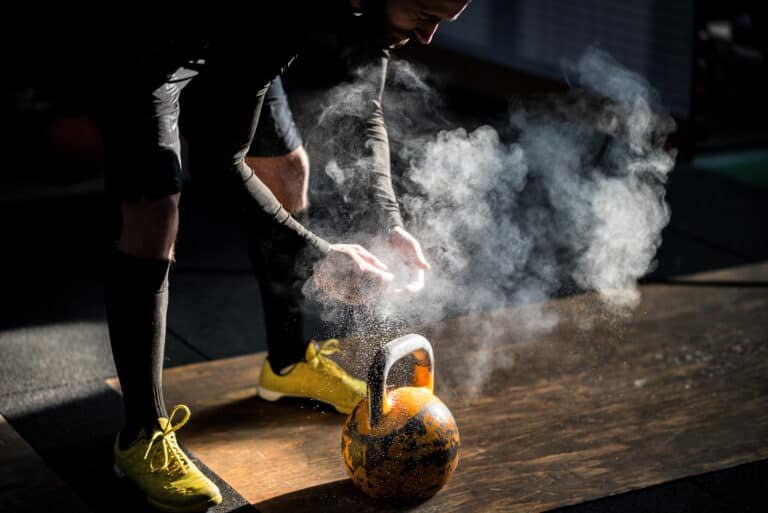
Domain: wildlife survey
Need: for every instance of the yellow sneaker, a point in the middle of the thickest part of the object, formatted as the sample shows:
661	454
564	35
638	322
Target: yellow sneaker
162	471
318	378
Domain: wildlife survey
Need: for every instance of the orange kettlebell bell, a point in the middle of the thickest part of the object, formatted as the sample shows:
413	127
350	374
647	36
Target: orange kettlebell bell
401	444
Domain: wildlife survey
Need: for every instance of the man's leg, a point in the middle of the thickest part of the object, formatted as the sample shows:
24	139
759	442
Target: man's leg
278	158
294	367
136	295
144	175
275	264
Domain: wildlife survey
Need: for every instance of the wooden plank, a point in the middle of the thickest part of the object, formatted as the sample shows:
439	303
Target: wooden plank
26	482
600	405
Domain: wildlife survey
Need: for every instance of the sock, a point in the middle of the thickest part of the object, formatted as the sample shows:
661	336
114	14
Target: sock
136	299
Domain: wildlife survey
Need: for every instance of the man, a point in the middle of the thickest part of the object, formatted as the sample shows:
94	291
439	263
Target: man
142	151
278	157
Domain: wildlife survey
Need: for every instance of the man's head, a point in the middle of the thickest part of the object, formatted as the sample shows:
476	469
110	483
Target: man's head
403	20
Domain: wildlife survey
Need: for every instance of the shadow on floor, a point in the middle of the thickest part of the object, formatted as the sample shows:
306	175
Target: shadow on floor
338	496
73	431
736	489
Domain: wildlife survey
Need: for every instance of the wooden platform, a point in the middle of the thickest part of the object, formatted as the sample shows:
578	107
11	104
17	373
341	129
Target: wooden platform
596	407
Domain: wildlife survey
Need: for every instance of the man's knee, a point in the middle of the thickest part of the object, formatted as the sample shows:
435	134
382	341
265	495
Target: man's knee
287	176
149	226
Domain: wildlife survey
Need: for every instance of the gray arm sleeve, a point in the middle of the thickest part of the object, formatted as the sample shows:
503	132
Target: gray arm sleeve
377	150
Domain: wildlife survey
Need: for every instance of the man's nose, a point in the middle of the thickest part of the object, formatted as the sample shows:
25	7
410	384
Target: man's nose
426	33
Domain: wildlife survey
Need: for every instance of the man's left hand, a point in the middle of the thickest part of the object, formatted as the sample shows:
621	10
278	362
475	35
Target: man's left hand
409	250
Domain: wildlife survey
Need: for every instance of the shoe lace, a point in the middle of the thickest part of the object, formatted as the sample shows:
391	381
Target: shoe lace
163	443
320	358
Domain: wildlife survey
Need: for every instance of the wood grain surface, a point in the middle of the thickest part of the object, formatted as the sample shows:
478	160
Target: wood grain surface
557	403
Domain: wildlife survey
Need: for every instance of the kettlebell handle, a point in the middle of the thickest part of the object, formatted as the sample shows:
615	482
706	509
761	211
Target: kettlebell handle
386	356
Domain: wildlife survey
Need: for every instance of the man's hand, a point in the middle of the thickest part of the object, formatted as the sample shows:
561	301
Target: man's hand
351	274
409	251
408	248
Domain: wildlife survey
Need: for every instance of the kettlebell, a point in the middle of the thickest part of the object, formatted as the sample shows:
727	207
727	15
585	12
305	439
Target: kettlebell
401	444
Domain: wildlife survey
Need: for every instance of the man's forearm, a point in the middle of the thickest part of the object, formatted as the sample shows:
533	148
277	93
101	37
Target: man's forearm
377	150
382	192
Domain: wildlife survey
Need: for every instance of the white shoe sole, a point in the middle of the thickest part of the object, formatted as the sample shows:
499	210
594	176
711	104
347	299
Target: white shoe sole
270	395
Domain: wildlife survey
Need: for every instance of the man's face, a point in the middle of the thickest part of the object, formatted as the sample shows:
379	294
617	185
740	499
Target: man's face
417	19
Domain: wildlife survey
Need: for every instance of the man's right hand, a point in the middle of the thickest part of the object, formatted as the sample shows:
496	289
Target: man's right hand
351	274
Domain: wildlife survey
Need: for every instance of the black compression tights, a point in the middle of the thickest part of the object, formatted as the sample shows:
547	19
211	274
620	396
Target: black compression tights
281	273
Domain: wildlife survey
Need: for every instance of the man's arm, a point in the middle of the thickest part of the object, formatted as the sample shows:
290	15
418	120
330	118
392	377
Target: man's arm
376	149
376	168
